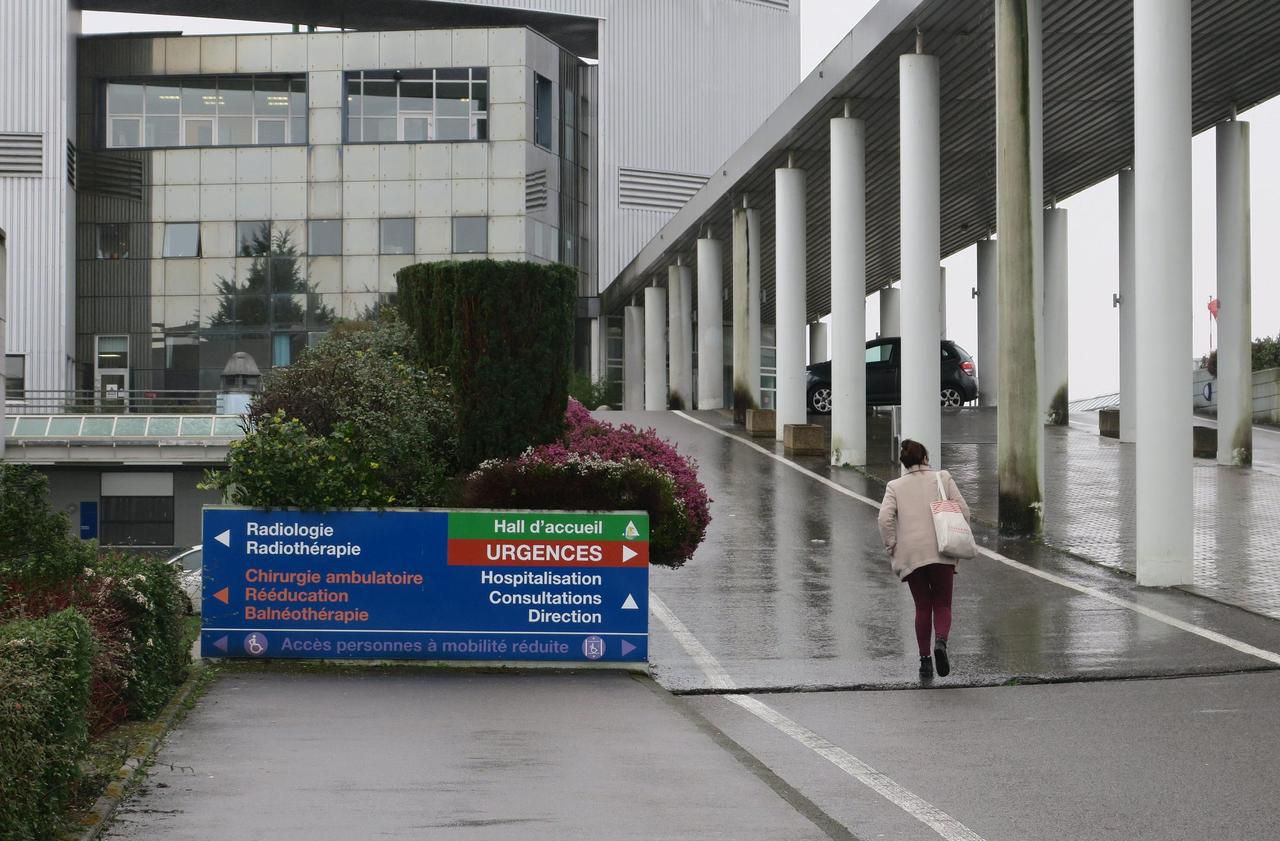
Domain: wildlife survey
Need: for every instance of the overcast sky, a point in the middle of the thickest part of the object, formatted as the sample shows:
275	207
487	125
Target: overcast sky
1093	218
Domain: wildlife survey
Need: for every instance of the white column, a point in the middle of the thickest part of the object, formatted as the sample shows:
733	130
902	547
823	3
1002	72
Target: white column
595	349
655	349
920	182
679	327
710	323
890	312
789	286
633	359
686	326
848	292
988	324
1235	304
1162	166
1128	314
746	306
818	342
1035	125
942	303
1055	317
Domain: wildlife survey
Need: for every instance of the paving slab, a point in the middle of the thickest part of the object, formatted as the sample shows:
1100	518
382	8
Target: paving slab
411	753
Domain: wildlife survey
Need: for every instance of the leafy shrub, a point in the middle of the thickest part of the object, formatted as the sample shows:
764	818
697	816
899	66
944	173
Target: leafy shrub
396	416
278	464
1264	354
572	482
35	545
586	436
504	332
44	693
594	394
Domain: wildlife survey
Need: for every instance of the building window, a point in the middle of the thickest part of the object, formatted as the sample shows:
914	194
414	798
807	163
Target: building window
182	239
542	116
137	509
395	236
113	241
418	106
324	237
253	239
470	234
15	376
207	111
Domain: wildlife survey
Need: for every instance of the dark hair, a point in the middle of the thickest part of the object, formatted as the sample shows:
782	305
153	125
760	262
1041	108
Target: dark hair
913	453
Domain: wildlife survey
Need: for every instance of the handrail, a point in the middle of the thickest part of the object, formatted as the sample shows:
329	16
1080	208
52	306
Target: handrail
131	401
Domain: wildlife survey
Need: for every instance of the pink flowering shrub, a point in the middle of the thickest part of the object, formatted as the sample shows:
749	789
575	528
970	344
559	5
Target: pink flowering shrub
586	436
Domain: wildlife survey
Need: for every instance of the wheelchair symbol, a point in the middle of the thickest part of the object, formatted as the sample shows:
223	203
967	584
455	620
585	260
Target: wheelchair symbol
255	644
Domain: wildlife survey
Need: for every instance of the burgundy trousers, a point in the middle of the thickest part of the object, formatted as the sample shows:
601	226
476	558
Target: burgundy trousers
931	587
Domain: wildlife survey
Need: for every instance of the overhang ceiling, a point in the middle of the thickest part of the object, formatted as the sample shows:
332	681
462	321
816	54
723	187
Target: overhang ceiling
1088	125
576	34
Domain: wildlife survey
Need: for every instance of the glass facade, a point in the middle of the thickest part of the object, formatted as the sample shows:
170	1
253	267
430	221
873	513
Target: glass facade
418	106
206	111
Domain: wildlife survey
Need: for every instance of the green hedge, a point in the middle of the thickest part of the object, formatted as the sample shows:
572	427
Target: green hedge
35	548
504	332
44	696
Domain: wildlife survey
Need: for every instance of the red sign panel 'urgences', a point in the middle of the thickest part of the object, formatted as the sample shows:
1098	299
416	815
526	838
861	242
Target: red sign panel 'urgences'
552	553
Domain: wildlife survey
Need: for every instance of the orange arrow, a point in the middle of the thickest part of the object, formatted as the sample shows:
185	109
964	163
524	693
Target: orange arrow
223	595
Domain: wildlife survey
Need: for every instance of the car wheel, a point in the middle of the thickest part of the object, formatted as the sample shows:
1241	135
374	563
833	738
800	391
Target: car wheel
952	398
820	400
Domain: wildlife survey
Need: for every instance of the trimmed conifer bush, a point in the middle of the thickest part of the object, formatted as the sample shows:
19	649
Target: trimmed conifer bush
504	332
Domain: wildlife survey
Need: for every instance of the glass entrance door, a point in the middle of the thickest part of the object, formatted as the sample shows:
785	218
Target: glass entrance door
111	372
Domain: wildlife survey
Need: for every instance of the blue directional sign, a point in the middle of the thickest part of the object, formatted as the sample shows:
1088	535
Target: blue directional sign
426	585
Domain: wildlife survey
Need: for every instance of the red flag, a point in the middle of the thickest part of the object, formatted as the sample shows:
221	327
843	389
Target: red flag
1213	307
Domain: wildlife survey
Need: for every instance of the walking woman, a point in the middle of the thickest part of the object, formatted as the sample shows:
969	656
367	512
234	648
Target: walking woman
906	526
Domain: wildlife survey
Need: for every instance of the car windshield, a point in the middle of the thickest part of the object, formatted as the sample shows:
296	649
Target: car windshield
191	561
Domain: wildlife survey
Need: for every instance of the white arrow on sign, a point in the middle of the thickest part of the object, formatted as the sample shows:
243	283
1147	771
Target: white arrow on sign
630	603
224	538
628	553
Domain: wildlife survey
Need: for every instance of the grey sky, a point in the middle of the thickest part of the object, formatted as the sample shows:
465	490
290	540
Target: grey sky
1093	252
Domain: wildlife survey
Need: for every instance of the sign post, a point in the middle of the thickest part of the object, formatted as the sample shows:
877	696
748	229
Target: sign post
426	585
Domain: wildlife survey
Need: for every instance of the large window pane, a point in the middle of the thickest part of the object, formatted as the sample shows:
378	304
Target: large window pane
272	132
355	102
470	234
271	97
162	131
415	96
235	97
396	236
125	131
235	131
379	98
325	237
416	129
297	129
197	131
253	239
453	128
182	239
163	99
15	376
380	129
542	111
113	241
199	98
124	99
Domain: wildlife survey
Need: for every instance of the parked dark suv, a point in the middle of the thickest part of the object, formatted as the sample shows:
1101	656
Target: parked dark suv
884	382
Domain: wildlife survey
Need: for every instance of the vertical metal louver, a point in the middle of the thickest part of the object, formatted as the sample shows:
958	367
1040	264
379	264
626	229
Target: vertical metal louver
651	189
21	154
535	191
71	164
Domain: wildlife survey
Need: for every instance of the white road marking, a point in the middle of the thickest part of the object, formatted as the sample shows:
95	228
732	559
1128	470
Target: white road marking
906	800
1213	636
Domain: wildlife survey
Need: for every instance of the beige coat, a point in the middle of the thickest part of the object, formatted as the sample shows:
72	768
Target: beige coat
906	521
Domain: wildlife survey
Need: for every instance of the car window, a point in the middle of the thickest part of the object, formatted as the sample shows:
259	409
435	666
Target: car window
193	560
879	353
948	353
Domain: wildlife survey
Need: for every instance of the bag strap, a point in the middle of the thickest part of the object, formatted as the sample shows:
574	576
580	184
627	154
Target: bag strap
942	491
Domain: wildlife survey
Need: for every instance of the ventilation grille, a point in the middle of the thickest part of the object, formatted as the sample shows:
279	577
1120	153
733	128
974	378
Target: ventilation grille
535	191
71	164
651	189
111	175
21	154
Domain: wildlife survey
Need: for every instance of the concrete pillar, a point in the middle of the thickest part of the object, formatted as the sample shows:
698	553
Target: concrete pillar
1020	429
3	335
710	323
633	359
1128	315
988	325
818	342
848	292
920	184
679	328
746	310
1055	317
596	343
1162	166
655	349
942	303
1235	304
890	312
789	286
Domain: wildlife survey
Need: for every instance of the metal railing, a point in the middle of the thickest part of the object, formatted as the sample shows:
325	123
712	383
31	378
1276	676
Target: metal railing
114	402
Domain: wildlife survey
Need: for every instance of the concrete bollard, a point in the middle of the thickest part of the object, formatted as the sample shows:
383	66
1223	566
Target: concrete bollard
1109	423
760	423
804	439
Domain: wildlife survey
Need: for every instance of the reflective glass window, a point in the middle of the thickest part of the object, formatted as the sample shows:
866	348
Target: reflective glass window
324	237
253	239
271	132
113	241
182	239
542	117
207	111
417	106
396	236
15	376
470	234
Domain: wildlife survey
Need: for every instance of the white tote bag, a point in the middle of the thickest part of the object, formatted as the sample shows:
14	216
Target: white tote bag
955	538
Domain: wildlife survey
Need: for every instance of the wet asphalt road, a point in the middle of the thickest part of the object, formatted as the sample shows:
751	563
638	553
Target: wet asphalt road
792	598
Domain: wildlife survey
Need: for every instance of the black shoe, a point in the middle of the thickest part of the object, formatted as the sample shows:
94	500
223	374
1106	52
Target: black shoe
940	654
926	667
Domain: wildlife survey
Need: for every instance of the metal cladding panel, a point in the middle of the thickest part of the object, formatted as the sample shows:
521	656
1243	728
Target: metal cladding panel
38	72
1088	123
